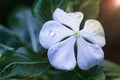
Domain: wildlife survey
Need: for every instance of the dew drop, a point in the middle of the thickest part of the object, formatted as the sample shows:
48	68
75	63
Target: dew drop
79	16
98	30
52	33
64	20
95	32
51	51
92	23
70	15
51	25
96	47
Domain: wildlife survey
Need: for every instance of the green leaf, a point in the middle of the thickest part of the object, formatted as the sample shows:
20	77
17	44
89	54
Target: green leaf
8	40
22	22
77	74
24	69
3	48
43	9
22	63
111	70
90	8
16	62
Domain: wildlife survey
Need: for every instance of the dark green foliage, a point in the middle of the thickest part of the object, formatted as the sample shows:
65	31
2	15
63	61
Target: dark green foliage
22	63
77	74
43	9
22	57
8	38
111	70
23	24
90	8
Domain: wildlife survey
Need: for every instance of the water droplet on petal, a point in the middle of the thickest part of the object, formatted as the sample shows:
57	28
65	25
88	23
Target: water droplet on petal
92	23
96	47
95	32
52	33
64	20
78	16
51	51
98	30
51	25
70	15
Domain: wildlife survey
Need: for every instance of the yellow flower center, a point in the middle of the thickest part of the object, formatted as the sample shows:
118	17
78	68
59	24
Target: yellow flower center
76	34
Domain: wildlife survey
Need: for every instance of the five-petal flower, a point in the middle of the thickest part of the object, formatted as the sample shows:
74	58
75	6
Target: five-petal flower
61	34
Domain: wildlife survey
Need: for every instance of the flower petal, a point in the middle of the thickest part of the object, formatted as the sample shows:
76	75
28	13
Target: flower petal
72	20
88	55
52	32
61	55
93	32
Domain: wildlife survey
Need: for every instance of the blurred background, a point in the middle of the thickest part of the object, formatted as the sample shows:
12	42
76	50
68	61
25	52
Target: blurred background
109	16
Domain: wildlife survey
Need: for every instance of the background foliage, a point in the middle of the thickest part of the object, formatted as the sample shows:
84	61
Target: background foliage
23	58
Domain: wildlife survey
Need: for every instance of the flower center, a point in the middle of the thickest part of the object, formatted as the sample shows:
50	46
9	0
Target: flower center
76	34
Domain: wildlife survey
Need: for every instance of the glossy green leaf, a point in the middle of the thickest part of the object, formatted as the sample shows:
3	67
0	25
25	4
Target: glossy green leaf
77	74
26	79
43	9
8	40
22	63
3	48
16	62
111	70
22	22
90	8
24	69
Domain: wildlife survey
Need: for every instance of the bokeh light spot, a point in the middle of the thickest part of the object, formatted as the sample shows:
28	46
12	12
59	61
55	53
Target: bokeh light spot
117	2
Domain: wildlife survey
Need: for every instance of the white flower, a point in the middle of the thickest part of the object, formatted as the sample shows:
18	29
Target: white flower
61	34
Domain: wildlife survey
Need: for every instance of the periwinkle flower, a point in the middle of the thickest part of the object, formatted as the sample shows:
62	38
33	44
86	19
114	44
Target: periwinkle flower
62	34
